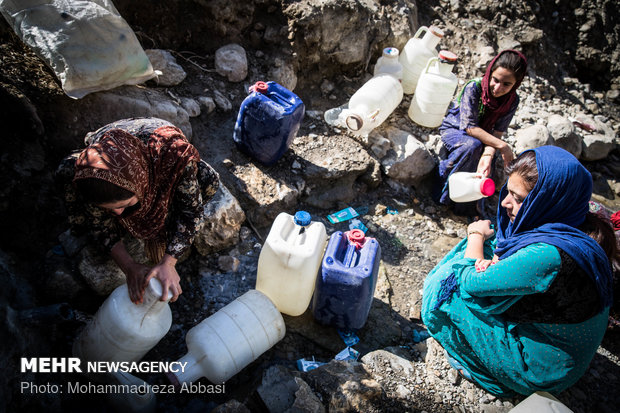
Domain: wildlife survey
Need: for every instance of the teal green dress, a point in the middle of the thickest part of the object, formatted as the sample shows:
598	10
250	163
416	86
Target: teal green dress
505	357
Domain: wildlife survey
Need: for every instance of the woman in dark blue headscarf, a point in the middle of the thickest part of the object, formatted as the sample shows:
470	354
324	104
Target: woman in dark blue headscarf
526	309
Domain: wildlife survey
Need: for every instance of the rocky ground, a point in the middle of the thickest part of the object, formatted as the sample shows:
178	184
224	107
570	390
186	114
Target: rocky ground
393	373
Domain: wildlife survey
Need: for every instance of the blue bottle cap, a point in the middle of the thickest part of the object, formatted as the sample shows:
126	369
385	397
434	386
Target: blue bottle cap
302	218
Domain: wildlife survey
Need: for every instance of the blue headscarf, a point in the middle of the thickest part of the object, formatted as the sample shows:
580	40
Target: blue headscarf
551	213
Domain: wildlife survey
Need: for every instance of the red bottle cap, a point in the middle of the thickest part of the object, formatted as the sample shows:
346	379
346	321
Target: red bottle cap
487	187
447	56
260	87
356	236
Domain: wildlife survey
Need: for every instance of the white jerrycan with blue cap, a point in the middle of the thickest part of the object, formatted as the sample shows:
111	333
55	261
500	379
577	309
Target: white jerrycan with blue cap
290	260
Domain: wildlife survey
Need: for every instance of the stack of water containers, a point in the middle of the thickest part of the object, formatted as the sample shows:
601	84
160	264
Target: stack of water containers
218	348
371	105
419	69
294	267
289	269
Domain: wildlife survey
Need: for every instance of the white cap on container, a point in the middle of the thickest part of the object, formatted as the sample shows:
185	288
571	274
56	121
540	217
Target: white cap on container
436	31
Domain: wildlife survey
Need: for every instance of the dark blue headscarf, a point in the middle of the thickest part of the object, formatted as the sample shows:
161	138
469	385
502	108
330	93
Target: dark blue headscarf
551	213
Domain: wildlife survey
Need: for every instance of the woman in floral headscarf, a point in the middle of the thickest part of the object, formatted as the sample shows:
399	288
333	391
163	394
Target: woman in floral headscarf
142	177
472	130
526	309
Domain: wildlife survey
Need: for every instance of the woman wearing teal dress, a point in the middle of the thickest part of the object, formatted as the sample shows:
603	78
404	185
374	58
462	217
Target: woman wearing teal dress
525	309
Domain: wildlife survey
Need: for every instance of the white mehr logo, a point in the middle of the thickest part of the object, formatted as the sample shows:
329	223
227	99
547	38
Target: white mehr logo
50	365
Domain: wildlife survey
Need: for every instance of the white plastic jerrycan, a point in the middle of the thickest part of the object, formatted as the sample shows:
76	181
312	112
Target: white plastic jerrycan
122	330
435	90
371	105
416	53
226	342
540	402
469	186
290	260
388	63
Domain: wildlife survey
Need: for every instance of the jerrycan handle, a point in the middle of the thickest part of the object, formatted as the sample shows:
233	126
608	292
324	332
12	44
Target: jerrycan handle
428	64
349	257
420	32
356	238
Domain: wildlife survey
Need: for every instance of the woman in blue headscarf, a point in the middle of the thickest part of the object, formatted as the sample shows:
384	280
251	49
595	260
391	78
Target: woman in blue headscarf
526	309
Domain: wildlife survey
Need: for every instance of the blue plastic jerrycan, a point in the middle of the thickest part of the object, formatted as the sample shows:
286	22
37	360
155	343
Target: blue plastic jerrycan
268	120
347	280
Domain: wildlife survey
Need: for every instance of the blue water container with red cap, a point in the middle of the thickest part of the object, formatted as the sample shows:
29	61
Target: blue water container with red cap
347	280
268	120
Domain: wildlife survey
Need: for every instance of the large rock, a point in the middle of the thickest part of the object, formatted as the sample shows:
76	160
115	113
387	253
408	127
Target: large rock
231	62
283	72
172	73
264	195
334	168
336	37
61	283
398	365
600	142
98	109
411	160
281	391
323	171
597	147
346	387
532	137
563	133
222	224
100	271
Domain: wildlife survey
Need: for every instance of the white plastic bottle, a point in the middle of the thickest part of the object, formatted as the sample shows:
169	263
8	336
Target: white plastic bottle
540	402
416	53
371	105
388	63
469	186
435	90
289	261
122	330
226	342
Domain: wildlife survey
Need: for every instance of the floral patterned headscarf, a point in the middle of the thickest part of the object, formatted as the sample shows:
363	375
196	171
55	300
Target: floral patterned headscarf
150	171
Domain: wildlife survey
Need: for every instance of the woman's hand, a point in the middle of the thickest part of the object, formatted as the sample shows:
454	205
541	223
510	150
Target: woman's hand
136	276
134	273
477	233
166	272
482	227
506	153
484	165
482	264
